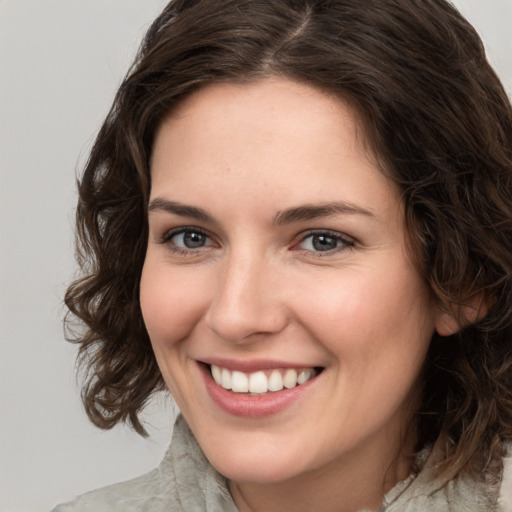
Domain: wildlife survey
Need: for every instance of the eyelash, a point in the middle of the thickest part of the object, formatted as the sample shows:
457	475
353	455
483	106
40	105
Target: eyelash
344	241
169	235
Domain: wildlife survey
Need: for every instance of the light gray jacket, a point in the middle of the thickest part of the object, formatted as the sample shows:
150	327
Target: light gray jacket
186	482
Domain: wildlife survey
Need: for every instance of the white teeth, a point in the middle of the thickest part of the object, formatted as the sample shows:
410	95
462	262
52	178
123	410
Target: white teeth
239	382
304	376
260	382
225	380
216	374
275	382
290	379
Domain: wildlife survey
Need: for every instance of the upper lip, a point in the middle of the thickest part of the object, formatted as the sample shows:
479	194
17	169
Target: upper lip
252	365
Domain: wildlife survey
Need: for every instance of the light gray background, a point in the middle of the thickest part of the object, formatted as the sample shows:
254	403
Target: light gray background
60	64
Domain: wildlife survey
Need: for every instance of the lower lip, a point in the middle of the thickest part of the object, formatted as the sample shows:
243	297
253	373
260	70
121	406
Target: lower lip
248	406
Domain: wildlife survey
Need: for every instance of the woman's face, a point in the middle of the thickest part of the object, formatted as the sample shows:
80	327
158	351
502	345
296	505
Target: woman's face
277	260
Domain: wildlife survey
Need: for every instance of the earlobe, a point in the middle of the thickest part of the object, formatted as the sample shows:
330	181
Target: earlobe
453	318
446	323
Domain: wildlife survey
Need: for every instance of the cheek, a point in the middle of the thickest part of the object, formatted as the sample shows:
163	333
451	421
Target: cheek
369	316
171	302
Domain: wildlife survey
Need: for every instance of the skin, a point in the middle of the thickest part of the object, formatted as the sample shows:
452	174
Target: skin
255	288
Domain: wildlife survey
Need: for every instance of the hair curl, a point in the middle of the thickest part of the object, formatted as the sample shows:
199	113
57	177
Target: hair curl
434	113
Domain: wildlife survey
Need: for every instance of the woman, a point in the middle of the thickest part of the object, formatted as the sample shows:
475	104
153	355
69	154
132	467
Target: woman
297	217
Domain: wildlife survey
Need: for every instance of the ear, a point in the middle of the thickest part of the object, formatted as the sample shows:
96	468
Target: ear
453	317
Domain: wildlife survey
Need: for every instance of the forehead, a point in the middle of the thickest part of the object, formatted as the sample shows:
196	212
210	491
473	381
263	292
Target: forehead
260	138
284	104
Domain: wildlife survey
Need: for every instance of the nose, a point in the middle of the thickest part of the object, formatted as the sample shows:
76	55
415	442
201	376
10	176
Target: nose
247	300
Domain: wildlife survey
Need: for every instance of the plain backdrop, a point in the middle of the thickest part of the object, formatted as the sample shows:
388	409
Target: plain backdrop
60	64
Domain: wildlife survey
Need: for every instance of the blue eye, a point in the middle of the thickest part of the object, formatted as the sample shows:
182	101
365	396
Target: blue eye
186	239
324	241
191	239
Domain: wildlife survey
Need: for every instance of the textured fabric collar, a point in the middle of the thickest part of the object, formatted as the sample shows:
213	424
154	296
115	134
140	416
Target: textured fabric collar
424	492
198	485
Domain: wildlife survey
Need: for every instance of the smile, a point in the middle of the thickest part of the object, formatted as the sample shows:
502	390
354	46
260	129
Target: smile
260	382
257	389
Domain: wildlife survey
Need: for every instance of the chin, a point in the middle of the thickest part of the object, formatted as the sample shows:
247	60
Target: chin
255	472
256	463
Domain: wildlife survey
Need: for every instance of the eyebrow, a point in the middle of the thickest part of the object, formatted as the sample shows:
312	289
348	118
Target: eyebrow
311	211
287	216
160	204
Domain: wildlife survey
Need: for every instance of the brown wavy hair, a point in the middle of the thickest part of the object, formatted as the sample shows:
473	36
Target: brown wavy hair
435	115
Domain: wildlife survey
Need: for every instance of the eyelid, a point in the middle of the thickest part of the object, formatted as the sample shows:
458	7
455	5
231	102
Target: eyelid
348	241
166	237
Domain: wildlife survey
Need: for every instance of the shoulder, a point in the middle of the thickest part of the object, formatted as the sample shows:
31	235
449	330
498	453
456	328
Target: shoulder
184	482
145	493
